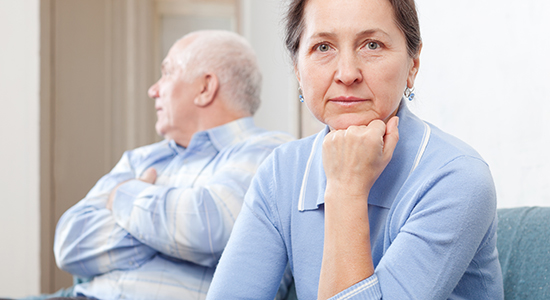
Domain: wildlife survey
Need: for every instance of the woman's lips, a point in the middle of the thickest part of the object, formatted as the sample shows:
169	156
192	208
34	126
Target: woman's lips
347	101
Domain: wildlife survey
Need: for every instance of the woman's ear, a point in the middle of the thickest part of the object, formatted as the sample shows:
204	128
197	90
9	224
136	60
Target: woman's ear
415	66
209	88
297	73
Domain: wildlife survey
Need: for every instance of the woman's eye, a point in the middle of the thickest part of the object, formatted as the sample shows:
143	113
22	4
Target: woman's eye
323	47
373	45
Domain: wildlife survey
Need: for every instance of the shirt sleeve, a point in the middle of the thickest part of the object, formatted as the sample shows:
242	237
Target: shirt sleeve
191	224
436	240
88	241
254	260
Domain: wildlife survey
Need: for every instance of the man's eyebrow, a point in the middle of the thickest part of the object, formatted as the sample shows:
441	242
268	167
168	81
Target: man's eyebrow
164	65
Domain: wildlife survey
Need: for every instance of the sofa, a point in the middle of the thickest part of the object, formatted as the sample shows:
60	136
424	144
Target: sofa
524	253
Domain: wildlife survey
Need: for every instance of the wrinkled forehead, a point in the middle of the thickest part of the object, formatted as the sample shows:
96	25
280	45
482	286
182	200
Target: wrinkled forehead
347	15
354	22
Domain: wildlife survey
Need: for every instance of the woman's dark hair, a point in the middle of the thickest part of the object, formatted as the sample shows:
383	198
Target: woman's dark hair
404	13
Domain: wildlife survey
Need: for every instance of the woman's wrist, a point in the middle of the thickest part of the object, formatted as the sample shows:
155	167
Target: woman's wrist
346	213
344	197
347	257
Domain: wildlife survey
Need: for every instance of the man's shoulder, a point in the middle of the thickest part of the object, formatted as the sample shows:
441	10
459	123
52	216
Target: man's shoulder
295	153
162	148
151	148
274	136
263	138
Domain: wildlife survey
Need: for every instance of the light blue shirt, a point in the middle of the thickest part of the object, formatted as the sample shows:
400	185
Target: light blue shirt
432	218
163	240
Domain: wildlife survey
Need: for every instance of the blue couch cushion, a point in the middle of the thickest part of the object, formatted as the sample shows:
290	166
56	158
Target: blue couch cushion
524	252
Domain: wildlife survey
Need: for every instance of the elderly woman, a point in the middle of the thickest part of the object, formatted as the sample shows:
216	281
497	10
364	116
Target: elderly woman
378	205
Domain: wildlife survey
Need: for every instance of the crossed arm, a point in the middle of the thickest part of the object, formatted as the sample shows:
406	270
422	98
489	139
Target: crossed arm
123	222
88	241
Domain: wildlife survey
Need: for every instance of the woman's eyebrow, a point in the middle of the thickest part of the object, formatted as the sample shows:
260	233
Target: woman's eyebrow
367	32
323	34
370	32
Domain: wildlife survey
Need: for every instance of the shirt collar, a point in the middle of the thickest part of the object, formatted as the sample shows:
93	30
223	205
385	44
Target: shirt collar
412	136
220	136
175	147
230	133
312	191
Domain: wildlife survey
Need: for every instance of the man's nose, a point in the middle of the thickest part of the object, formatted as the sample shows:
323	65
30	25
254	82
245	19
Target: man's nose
154	91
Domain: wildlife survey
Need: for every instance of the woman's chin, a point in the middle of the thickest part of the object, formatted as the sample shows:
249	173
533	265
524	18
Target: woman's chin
344	122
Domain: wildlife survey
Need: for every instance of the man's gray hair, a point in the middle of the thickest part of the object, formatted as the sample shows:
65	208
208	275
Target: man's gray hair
231	58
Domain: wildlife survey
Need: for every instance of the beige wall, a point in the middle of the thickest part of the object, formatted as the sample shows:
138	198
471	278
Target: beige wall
96	60
19	151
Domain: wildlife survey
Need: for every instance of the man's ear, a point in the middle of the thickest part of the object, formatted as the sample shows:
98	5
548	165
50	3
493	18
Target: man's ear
209	85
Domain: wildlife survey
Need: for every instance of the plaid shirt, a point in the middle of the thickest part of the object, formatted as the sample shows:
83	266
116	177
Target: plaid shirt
163	240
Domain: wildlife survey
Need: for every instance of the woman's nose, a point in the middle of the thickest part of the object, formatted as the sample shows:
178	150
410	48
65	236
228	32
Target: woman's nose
348	71
154	90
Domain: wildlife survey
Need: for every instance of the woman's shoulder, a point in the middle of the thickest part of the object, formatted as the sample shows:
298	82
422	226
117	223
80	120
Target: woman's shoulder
452	162
451	143
444	148
434	154
447	174
287	164
298	149
431	140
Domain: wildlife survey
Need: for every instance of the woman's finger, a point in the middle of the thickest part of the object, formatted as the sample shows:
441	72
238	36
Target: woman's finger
391	137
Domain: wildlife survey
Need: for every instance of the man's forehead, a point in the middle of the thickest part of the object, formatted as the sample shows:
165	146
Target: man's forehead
169	64
176	54
173	58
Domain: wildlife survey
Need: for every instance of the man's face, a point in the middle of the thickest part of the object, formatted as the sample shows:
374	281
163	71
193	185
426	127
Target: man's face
174	96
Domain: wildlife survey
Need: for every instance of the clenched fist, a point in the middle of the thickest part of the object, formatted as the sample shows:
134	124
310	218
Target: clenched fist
354	158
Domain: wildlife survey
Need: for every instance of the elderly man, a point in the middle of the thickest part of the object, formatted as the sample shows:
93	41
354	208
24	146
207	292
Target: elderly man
156	225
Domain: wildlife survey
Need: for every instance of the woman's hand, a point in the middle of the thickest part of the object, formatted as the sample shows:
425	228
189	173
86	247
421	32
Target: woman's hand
353	160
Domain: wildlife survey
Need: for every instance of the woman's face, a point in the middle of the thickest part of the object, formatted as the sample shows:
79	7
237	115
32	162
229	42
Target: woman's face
353	64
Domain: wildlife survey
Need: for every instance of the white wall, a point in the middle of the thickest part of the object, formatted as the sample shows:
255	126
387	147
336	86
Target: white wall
485	77
262	27
19	133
